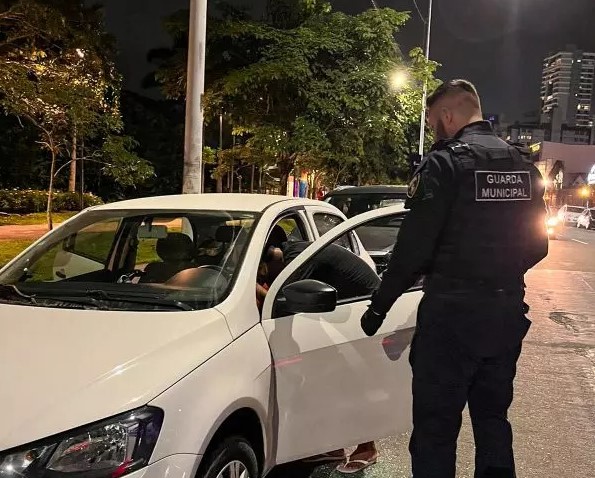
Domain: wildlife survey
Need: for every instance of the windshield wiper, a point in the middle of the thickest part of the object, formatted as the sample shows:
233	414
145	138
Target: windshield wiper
137	299
11	291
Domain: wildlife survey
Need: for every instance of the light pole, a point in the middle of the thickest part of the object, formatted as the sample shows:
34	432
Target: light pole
585	193
422	123
192	182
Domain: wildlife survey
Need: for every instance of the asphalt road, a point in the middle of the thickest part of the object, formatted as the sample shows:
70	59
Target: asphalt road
554	410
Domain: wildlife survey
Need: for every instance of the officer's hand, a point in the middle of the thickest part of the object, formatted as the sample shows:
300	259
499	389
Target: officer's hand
371	322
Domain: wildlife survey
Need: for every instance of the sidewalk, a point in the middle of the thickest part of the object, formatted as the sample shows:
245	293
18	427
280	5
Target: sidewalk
23	232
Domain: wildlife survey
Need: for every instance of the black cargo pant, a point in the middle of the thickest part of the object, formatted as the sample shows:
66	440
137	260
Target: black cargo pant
465	351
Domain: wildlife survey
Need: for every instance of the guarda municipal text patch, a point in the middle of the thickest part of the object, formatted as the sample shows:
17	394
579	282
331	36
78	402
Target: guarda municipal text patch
502	186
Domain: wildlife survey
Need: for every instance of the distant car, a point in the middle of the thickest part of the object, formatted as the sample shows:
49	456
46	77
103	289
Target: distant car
378	238
553	224
569	214
587	219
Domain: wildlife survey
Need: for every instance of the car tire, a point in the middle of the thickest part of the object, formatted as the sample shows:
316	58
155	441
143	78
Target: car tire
233	458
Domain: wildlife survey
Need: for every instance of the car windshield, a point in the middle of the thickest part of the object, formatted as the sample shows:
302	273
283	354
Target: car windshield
133	260
354	204
575	209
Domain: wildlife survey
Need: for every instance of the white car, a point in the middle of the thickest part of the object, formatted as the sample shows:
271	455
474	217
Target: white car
132	344
586	219
569	214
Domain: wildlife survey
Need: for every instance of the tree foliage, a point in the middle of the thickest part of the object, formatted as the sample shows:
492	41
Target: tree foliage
311	88
57	74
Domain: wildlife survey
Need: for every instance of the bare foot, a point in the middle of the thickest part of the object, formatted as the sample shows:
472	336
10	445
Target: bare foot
364	456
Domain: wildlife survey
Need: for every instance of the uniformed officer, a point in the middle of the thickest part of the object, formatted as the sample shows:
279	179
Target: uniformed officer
476	225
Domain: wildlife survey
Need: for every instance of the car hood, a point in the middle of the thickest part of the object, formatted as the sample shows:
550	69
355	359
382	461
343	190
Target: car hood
64	368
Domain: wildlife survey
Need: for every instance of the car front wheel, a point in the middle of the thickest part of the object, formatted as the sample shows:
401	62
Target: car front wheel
234	458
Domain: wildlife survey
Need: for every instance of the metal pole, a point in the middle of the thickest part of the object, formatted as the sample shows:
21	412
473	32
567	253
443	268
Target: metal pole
422	123
82	168
194	91
220	131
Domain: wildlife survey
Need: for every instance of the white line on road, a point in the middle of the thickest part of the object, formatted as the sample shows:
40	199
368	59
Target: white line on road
581	242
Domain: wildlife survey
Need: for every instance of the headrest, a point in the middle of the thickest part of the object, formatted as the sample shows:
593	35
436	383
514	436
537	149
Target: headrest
277	237
176	247
227	234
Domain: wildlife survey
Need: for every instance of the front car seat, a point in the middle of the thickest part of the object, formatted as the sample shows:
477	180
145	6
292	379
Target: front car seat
176	252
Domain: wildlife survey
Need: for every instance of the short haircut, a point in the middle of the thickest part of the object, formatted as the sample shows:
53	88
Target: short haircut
453	87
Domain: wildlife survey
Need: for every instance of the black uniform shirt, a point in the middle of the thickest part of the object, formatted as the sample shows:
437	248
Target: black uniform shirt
431	195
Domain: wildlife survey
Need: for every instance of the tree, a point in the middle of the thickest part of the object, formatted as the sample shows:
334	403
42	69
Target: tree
55	74
311	87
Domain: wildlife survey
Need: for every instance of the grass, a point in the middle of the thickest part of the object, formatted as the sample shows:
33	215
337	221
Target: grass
95	243
43	269
10	248
34	218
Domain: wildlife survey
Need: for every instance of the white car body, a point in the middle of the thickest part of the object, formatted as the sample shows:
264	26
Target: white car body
586	219
295	386
569	214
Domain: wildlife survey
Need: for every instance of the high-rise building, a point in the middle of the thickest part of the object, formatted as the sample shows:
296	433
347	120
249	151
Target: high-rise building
567	88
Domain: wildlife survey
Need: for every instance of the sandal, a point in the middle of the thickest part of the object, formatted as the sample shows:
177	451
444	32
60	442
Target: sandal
348	467
326	458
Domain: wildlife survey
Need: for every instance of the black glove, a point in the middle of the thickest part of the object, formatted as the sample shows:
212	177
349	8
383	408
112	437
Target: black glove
371	322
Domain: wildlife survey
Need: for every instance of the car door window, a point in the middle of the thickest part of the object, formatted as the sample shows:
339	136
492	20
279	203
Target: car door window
324	222
380	235
294	228
350	275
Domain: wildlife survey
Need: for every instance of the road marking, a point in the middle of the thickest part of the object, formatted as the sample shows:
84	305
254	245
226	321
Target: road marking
581	242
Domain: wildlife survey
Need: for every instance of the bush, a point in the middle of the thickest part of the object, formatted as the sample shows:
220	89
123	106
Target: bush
23	201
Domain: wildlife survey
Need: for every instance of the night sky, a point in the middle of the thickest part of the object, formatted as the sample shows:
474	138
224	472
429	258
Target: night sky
497	44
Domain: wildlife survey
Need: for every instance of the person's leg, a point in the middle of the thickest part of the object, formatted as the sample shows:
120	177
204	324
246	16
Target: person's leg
365	450
441	377
490	396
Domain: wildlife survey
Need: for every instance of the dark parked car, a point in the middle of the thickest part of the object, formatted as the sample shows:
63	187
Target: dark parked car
354	200
378	238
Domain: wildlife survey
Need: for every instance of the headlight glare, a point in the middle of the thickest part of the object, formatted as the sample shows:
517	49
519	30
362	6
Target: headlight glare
109	449
552	221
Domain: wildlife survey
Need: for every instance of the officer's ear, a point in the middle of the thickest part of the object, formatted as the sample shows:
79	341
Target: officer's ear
447	115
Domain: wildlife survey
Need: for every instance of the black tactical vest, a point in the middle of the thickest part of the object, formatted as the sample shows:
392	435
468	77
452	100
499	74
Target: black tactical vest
485	238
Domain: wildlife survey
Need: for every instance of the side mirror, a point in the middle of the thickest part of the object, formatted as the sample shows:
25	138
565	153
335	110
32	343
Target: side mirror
309	297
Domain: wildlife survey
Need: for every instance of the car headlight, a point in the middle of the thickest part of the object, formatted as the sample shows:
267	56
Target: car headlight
552	221
109	449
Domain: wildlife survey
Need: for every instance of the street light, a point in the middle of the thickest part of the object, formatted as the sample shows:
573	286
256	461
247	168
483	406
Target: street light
398	79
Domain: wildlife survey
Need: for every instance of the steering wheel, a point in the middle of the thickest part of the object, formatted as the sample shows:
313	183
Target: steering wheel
211	267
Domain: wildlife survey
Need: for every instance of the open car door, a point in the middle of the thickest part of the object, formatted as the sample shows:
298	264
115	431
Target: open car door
335	386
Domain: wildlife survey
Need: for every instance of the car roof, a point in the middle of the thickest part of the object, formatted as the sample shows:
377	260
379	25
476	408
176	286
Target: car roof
376	189
208	201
